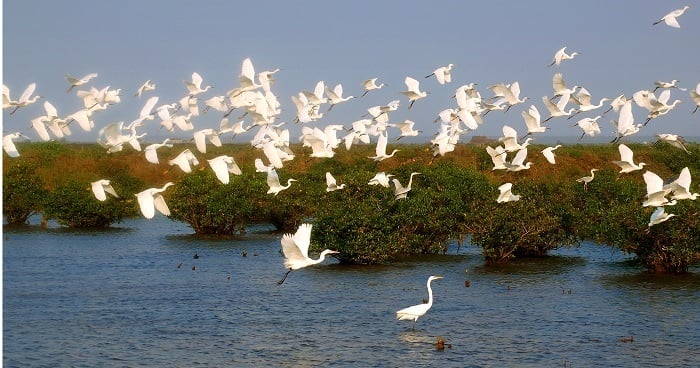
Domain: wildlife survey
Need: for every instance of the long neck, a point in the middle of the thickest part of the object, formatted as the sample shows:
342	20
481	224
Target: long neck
410	181
430	295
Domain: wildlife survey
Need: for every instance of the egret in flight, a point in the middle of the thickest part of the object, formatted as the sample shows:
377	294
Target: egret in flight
671	18
101	187
413	93
626	162
561	55
151	200
443	74
416	311
296	250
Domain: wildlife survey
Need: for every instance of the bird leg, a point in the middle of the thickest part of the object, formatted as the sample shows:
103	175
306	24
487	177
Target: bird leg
280	282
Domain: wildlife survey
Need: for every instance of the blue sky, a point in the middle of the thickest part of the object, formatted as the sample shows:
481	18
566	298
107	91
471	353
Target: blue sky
130	41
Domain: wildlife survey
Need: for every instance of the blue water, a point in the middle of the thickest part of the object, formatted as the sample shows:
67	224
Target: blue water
117	298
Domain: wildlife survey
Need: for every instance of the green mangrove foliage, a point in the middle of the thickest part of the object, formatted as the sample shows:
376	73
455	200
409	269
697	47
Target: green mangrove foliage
23	193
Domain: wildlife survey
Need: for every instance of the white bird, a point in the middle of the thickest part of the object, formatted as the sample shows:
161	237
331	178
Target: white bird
671	18
335	96
589	126
443	74
406	128
296	250
518	161
587	179
194	87
532	120
331	184
145	87
381	178
75	82
201	137
101	187
184	160
626	162
498	156
548	153
150	150
558	109
25	99
8	143
560	87
658	216
561	55
401	192
625	124
416	311
681	186
413	91
695	95
583	99
223	166
371	85
151	200
510	140
380	149
656	193
673	139
671	84
273	182
506	195
510	93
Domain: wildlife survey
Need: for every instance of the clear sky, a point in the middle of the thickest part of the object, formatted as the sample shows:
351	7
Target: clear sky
130	41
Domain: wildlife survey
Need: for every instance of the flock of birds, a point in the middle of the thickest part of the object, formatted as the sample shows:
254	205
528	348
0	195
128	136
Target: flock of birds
260	109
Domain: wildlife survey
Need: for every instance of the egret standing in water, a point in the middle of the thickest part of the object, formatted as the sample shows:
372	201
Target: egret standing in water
418	310
296	250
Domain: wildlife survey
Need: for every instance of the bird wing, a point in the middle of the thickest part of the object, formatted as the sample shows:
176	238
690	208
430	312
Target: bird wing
292	254
412	84
302	239
654	182
273	181
558	82
626	153
160	204
98	190
330	180
671	21
151	155
520	157
146	204
549	155
50	109
109	189
148	107
412	312
220	169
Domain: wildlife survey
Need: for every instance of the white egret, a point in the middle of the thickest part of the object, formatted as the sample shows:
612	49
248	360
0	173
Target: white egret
443	74
380	149
101	187
558	109
671	18
416	311
695	95
626	162
656	193
331	183
223	166
150	150
266	78
401	192
587	179
194	87
616	103
413	91
518	161
184	160
625	124
498	156
589	126
371	85
273	182
406	128
658	216
201	136
261	167
8	143
145	87
381	178
75	82
151	200
510	93
548	153
335	96
680	187
560	87
561	55
510	140
25	99
532	121
506	195
671	84
673	139
583	99
296	250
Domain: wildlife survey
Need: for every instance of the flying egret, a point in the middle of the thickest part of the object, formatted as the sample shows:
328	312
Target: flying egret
401	192
558	109
583	99
671	84
670	18
75	82
561	55
406	128
680	187
695	95
506	195
335	96
589	126
625	124
587	179
150	150
509	93
443	74
145	87
25	99
8	143
626	162
498	156
659	216
151	200
413	91
548	153
273	182
101	187
201	136
184	160
194	87
331	183
223	166
380	149
656	193
518	161
532	121
381	178
510	140
296	250
674	140
416	311
371	85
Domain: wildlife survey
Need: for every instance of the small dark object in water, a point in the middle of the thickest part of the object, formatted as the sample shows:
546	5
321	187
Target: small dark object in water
440	344
467	283
627	339
180	265
228	277
196	256
245	254
193	268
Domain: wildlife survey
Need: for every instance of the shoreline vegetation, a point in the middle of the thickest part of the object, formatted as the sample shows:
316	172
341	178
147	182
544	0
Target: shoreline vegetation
453	198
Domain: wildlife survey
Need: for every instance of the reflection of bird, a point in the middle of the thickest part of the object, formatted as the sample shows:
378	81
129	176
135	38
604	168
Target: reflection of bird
151	200
587	179
670	18
296	250
413	312
101	187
